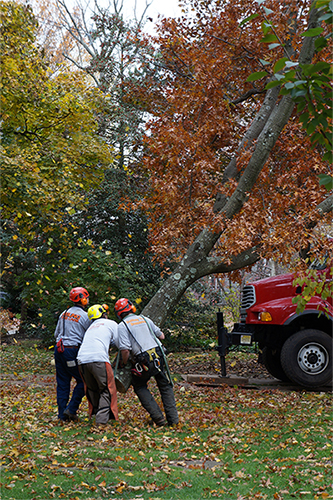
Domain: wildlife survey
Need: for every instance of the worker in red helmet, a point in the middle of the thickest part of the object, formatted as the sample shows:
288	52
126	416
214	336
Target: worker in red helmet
139	342
71	327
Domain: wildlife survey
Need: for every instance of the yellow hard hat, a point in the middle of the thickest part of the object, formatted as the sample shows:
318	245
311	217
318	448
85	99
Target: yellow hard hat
96	311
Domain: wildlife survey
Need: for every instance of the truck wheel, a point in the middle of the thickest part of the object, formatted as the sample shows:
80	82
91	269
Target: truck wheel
306	358
272	362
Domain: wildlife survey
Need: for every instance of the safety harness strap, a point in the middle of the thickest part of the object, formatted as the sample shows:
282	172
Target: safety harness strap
160	345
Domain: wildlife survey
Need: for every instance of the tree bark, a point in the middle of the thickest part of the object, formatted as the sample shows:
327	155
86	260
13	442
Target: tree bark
193	266
196	263
256	127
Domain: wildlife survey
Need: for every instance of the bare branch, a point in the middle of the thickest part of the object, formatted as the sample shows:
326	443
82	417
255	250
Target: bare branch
248	94
75	30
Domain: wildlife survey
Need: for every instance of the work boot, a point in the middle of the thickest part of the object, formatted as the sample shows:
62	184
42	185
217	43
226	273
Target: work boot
70	416
160	423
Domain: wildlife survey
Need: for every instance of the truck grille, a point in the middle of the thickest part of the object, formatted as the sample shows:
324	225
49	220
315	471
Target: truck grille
248	299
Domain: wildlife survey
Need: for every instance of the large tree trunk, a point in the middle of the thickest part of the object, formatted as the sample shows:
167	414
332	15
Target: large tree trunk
197	262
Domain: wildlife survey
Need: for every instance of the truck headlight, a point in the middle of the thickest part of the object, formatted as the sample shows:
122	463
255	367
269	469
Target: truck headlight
265	316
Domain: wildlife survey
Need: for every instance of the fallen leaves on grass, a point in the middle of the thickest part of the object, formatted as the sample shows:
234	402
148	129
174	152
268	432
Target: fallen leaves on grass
230	443
237	363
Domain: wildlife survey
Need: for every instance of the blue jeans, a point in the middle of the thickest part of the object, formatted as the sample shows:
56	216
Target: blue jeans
64	375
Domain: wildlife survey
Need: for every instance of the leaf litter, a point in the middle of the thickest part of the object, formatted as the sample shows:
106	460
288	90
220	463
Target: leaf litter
230	443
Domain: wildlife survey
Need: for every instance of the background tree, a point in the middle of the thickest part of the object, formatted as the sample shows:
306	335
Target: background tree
51	152
48	127
115	229
108	47
53	39
54	155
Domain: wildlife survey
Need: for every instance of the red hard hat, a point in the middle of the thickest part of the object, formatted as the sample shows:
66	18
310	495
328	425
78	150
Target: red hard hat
78	293
124	305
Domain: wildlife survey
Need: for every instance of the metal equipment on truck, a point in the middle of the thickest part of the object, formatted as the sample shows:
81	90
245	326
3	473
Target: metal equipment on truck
295	347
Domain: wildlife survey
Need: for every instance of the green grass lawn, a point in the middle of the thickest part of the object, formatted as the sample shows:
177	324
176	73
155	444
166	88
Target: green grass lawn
231	443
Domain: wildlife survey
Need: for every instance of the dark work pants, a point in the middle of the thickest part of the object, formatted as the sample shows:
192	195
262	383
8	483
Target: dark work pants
148	401
66	369
99	391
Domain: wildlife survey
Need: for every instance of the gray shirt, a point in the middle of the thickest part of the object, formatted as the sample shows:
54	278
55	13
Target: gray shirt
141	339
73	327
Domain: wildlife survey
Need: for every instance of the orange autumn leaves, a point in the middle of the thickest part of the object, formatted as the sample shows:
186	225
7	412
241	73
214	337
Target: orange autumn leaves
195	134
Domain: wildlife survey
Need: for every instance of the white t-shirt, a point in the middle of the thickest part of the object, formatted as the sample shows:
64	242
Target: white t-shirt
141	335
97	341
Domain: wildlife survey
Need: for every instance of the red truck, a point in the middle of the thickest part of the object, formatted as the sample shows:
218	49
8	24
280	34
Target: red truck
295	348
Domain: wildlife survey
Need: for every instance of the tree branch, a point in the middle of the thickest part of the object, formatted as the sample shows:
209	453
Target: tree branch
253	131
326	206
248	94
75	33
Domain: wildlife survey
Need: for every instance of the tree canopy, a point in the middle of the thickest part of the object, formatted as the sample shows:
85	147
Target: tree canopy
50	146
232	173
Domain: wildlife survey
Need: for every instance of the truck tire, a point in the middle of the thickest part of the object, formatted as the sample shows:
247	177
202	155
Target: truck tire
272	361
306	358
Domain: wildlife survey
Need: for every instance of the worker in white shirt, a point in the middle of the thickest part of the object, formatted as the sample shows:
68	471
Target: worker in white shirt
95	367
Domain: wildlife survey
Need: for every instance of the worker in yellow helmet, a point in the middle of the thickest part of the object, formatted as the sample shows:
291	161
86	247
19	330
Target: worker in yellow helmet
95	367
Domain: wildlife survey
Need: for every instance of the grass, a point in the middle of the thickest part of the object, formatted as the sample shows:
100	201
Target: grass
231	443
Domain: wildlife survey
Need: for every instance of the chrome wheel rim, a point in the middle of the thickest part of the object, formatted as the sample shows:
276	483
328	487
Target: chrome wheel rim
313	358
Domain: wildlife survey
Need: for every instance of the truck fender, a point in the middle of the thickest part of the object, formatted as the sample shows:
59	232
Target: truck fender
305	313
